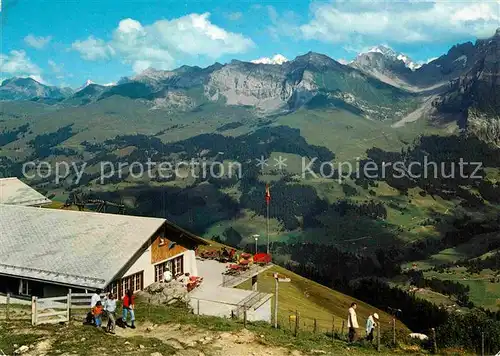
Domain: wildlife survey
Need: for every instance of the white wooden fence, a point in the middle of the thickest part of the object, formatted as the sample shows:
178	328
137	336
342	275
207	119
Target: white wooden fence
49	310
58	309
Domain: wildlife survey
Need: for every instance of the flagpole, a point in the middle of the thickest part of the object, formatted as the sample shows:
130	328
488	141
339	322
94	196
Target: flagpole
268	227
268	201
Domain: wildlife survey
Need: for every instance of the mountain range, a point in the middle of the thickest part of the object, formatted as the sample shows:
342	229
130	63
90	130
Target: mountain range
379	84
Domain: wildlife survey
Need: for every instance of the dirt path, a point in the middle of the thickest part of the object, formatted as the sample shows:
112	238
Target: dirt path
190	341
180	339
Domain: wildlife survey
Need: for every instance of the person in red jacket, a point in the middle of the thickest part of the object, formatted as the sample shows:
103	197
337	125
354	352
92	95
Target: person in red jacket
128	308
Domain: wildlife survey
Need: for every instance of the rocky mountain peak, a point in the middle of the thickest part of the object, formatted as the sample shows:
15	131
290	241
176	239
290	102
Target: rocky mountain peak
27	88
391	55
315	59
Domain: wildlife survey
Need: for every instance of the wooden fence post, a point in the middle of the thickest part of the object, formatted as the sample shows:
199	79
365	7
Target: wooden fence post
297	323
315	326
342	331
69	305
245	318
7	307
198	308
333	327
482	344
434	341
394	331
378	336
33	311
276	288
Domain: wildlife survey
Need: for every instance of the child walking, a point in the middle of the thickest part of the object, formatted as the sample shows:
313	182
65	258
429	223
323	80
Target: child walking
97	314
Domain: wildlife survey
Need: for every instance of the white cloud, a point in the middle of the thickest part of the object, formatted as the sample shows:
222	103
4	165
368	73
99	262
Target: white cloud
234	16
56	68
285	24
414	21
164	43
93	49
17	63
37	42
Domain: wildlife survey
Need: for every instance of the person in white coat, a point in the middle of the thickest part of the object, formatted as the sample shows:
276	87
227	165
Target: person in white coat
352	322
167	276
96	297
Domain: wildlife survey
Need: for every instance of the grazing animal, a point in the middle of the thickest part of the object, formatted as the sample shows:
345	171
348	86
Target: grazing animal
419	336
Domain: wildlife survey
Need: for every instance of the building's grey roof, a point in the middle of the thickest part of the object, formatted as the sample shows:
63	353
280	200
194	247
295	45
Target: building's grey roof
70	247
15	192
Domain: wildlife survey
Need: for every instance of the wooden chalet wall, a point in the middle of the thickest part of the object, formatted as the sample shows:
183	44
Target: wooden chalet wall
169	243
162	251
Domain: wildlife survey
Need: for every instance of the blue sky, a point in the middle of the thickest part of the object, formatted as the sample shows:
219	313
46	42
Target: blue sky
67	42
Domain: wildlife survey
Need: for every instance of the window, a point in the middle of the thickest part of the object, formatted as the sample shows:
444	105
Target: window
136	282
178	266
113	288
24	287
175	265
124	286
159	272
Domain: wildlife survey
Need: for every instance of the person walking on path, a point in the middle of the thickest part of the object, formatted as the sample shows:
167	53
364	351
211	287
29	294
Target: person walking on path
128	308
110	309
371	322
352	322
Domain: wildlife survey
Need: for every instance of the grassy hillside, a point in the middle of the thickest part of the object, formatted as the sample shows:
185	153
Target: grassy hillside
484	285
483	291
477	247
314	301
349	135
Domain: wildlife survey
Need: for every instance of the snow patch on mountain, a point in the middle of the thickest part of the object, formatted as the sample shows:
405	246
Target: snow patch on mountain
462	59
276	59
86	84
90	82
392	54
344	61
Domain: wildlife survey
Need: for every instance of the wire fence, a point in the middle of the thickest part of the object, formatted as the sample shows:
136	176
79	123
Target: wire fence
14	309
297	323
384	335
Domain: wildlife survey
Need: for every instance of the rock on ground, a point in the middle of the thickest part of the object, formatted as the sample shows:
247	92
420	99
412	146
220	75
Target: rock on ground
165	293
